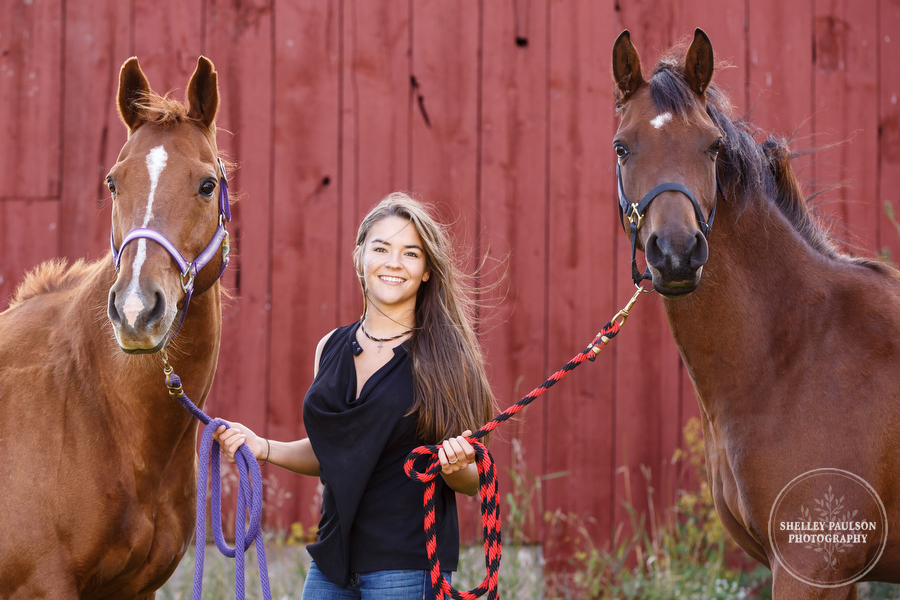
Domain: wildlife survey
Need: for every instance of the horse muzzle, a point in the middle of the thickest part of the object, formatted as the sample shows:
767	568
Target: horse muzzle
675	260
141	318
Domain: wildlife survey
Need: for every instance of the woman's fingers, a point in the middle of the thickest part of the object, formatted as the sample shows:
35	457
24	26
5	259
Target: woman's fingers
230	440
456	453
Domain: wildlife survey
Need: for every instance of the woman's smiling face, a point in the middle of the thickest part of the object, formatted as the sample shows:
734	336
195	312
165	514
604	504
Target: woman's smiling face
393	261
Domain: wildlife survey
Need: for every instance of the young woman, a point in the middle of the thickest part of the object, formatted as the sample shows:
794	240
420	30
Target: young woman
409	372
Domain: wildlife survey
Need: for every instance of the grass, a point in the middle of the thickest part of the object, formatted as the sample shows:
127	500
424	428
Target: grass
287	564
682	552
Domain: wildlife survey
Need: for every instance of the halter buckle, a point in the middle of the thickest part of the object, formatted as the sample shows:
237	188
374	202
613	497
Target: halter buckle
635	216
187	280
226	248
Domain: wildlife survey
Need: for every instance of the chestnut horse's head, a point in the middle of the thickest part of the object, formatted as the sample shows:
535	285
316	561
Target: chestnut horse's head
667	146
168	189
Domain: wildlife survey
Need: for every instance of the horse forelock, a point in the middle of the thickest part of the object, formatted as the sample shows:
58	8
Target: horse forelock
162	110
750	169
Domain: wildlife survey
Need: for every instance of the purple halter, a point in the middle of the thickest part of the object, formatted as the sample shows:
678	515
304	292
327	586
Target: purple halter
187	269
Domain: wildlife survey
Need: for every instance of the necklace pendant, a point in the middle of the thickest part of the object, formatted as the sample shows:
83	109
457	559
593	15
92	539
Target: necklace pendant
381	341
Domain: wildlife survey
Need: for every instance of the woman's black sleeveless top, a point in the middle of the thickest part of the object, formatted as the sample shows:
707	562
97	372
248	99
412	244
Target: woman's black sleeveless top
371	511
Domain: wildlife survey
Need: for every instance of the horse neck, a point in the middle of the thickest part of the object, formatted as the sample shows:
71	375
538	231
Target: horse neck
761	275
135	384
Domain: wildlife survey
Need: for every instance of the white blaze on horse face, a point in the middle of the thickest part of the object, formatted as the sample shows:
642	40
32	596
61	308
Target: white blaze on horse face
134	304
660	120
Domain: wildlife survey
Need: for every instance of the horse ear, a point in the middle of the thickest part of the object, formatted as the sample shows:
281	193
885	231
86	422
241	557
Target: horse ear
203	93
626	66
699	62
133	88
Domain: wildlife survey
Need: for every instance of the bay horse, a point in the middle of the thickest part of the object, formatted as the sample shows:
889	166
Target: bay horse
793	347
99	463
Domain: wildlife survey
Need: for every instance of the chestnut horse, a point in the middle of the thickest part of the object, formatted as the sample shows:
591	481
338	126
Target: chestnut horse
99	462
790	344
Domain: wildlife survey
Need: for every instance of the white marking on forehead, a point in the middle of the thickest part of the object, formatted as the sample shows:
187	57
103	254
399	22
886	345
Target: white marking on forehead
134	303
156	162
661	120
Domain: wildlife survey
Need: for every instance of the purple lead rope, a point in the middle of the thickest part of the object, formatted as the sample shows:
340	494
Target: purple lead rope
248	472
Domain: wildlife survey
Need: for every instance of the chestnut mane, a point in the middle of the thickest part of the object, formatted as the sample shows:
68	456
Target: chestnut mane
49	277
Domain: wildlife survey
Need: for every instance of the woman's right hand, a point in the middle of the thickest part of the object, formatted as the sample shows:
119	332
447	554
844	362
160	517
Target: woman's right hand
236	434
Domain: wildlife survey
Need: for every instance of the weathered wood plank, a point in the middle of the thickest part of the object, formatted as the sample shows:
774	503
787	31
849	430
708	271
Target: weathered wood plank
889	126
581	288
305	226
27	238
725	24
97	42
846	86
514	134
30	93
780	73
375	138
167	42
445	144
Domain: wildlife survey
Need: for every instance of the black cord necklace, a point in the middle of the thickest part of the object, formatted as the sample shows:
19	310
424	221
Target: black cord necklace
381	341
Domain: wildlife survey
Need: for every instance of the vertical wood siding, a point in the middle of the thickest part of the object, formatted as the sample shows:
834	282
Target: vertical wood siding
500	114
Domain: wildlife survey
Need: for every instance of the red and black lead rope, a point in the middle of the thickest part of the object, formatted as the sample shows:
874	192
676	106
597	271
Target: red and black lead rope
490	504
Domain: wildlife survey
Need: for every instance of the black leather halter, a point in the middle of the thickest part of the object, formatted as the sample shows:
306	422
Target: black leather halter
635	214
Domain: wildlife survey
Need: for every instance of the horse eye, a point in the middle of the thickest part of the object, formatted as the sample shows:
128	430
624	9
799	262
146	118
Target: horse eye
716	147
111	185
621	151
208	188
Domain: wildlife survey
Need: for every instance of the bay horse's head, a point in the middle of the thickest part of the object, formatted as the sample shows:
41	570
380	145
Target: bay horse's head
170	204
667	147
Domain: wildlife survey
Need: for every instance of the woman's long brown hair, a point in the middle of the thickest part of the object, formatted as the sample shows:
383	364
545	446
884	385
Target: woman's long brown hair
452	392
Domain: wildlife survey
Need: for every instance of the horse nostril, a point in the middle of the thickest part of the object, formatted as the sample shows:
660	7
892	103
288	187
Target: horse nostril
699	251
111	309
158	310
654	251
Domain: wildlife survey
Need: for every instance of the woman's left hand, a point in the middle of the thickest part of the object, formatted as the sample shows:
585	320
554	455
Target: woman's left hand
456	454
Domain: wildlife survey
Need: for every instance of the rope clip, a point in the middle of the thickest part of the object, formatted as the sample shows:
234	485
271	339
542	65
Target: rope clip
175	389
622	315
618	320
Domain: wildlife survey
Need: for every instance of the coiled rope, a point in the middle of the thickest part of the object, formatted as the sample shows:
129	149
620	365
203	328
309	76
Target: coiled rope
250	499
487	477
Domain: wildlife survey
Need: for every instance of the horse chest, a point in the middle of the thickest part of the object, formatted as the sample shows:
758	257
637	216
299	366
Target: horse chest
150	540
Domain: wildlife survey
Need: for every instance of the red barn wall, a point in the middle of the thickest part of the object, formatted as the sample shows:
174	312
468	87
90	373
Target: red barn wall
500	114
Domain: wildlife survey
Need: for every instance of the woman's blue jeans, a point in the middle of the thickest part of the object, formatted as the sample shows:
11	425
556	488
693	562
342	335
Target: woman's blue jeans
378	585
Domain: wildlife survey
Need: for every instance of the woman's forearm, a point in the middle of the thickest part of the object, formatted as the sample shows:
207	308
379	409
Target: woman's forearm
295	456
464	481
